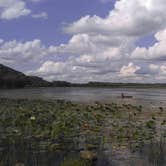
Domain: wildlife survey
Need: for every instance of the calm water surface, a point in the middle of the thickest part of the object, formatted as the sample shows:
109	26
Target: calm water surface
152	97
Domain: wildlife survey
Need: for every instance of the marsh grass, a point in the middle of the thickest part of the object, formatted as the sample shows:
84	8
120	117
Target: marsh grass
61	127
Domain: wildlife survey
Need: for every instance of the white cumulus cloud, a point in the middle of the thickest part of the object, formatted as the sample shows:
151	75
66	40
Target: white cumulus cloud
101	49
42	15
10	9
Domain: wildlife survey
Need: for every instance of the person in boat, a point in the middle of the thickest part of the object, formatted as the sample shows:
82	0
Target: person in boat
123	96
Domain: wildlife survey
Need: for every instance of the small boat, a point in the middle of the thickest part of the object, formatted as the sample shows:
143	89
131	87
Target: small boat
126	97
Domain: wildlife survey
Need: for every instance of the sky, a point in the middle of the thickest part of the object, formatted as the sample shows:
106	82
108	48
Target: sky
85	40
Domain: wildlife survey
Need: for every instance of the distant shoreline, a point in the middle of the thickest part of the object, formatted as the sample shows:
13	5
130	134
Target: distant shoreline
12	79
94	85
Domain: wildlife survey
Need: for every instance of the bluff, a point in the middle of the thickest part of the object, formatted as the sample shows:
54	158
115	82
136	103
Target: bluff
10	78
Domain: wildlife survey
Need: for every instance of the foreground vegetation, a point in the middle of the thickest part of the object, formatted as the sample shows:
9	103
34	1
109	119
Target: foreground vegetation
87	129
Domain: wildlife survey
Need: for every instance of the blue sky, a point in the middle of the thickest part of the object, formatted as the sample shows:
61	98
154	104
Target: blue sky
85	40
49	30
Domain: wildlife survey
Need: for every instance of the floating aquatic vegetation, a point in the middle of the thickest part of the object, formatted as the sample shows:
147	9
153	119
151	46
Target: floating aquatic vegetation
59	126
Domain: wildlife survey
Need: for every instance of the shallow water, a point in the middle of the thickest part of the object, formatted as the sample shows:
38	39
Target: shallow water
33	153
152	97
